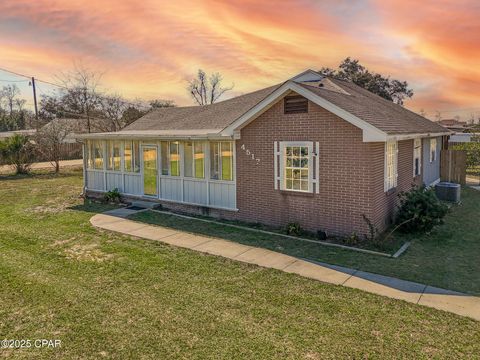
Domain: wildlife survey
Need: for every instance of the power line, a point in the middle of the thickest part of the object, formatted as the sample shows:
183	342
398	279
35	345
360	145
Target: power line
66	87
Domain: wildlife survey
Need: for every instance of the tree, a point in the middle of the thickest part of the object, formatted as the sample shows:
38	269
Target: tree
352	70
160	103
131	114
112	108
9	96
17	150
50	140
80	94
206	89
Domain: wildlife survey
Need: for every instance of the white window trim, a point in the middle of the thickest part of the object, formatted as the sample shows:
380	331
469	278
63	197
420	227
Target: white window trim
388	185
417	144
283	145
434	152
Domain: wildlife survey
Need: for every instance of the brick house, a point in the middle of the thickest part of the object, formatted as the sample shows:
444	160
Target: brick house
313	150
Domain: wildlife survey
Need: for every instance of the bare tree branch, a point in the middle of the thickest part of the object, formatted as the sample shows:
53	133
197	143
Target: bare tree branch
206	90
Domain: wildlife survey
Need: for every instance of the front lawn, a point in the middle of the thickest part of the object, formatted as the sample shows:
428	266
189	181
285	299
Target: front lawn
110	296
448	257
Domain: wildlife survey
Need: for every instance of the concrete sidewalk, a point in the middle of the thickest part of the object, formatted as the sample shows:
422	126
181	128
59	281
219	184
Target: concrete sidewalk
451	301
45	165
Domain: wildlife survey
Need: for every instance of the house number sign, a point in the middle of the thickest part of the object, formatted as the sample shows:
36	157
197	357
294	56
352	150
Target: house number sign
250	154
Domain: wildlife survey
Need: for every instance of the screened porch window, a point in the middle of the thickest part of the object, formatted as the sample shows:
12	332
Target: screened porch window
194	159
89	154
132	156
164	157
221	160
113	155
174	158
98	154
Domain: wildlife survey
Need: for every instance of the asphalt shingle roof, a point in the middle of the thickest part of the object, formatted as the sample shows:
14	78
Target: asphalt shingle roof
373	109
377	111
216	116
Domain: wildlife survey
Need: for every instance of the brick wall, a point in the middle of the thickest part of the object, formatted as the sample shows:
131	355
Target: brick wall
345	172
351	174
385	204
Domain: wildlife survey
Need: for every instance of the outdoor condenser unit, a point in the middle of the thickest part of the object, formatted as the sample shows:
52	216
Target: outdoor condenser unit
448	191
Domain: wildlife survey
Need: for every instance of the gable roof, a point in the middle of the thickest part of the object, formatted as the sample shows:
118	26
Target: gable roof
377	111
214	117
380	119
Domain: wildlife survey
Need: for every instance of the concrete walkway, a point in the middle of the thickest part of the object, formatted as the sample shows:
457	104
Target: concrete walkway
451	301
44	165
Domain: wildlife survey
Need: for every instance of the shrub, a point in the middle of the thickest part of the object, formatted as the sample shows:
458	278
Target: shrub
321	235
420	210
372	235
112	195
17	150
352	240
293	229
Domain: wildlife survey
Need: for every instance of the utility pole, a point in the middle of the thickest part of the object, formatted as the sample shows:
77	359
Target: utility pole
35	102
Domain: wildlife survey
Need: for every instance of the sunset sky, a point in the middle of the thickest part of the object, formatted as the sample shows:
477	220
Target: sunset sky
149	48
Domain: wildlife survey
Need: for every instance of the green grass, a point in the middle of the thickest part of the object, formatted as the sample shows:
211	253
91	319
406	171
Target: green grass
110	296
448	257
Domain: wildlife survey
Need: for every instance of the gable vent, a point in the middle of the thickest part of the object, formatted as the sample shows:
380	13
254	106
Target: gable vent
295	105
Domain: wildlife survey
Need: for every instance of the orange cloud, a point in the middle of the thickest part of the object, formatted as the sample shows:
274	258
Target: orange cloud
148	48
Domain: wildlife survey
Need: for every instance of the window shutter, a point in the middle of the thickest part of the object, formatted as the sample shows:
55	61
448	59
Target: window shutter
316	181
276	159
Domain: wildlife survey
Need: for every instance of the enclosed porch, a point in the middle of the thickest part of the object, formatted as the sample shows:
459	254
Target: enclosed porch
197	172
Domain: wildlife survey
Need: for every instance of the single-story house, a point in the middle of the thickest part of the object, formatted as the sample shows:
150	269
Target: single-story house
313	150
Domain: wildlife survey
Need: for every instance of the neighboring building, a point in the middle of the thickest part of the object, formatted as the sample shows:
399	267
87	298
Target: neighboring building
313	150
453	124
464	137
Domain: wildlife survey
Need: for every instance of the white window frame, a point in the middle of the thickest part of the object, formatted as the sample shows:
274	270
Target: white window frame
283	161
433	150
218	145
193	165
417	154
391	163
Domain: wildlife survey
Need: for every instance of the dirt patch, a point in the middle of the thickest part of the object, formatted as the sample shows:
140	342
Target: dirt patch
89	252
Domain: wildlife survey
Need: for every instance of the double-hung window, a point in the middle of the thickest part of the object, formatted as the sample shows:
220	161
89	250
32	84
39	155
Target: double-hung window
391	164
296	166
433	150
417	157
221	160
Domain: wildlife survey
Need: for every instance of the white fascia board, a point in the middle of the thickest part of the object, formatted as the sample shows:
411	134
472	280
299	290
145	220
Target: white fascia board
122	136
308	75
414	136
370	132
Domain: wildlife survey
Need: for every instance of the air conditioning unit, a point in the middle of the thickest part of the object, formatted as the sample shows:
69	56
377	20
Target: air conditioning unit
448	191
